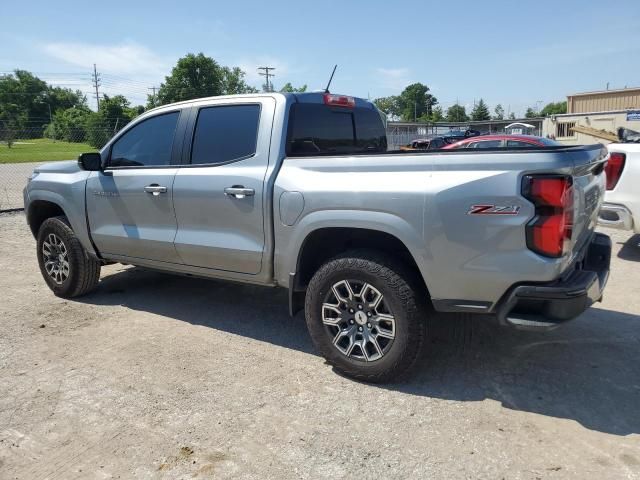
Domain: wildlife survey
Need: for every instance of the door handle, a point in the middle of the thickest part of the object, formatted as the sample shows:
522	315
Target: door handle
155	189
238	191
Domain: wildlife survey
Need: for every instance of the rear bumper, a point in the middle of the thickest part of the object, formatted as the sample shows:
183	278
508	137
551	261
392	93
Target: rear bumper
547	305
615	216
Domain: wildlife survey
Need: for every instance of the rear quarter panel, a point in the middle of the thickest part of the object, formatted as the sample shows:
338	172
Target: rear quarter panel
424	200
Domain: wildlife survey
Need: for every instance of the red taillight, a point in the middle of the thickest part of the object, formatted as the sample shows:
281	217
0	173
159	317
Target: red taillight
549	233
548	191
339	100
614	168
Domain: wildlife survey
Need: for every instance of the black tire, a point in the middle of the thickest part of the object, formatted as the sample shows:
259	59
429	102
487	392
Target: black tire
406	301
83	272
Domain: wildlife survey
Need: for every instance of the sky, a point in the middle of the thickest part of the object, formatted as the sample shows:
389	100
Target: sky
517	53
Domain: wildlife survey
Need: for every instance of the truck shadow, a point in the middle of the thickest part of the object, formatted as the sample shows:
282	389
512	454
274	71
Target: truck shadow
587	371
631	249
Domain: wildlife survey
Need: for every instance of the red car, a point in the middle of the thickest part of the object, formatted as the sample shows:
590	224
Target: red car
503	141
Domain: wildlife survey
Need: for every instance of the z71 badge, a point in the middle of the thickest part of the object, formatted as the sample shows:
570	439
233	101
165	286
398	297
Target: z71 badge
493	210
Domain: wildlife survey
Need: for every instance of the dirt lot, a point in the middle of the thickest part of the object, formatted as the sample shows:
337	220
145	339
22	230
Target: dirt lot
155	376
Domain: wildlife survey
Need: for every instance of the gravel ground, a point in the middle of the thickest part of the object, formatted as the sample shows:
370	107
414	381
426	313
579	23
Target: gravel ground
155	376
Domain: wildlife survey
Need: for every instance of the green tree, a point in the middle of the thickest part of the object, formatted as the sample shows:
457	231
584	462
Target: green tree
531	113
194	76
27	102
437	115
11	120
115	112
64	98
233	82
457	113
197	76
288	88
498	112
554	109
480	111
512	116
415	102
389	105
22	101
69	125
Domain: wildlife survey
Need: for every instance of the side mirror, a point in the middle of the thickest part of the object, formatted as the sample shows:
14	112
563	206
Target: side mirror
91	162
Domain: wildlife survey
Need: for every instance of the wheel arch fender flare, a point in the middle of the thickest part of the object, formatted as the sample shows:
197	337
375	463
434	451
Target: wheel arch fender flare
76	215
398	228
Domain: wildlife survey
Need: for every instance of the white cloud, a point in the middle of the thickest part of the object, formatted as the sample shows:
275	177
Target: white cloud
394	78
128	58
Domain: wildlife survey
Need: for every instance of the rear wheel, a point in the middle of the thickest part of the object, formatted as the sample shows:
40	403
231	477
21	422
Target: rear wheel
366	316
64	263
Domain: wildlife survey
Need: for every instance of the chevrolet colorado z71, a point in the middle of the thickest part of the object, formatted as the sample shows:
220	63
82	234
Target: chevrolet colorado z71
299	191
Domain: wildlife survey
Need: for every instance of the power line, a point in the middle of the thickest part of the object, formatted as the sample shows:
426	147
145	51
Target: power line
66	74
265	73
120	79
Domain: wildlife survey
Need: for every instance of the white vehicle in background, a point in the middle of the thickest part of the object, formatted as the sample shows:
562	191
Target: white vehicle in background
621	208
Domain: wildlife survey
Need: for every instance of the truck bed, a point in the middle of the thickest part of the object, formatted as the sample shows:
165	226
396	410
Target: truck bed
423	198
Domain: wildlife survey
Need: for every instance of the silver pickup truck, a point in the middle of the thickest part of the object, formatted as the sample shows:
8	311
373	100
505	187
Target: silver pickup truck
299	191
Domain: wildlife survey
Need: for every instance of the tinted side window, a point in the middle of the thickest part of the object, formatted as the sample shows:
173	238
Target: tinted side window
148	143
316	129
225	133
486	144
516	143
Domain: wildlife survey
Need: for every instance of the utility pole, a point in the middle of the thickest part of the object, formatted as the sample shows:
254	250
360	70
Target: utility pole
153	95
96	83
265	73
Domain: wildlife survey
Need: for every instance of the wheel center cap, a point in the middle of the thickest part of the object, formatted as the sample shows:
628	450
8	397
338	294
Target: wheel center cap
361	318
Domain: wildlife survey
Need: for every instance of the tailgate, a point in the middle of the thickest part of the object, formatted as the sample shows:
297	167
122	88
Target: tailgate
588	193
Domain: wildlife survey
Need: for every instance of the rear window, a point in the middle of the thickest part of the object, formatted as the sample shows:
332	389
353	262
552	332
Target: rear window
316	129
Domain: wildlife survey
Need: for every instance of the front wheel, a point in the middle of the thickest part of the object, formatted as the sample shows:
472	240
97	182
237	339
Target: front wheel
366	316
64	263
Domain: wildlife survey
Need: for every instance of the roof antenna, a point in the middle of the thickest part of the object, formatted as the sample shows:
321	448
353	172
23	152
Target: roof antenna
326	90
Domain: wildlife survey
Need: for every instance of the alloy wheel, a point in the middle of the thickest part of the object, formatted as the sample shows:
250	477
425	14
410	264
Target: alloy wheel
358	320
56	258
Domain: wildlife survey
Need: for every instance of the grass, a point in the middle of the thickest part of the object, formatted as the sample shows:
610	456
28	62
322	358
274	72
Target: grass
41	150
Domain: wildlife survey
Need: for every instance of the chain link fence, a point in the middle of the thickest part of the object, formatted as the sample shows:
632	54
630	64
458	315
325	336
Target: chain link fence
13	178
